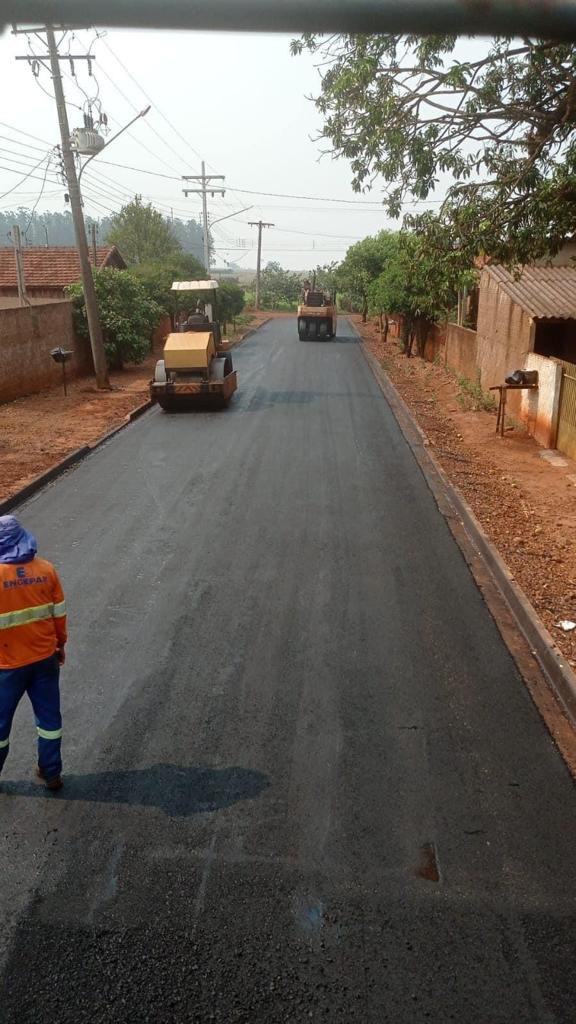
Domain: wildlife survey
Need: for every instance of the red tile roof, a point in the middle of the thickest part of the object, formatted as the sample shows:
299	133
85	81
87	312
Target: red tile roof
51	267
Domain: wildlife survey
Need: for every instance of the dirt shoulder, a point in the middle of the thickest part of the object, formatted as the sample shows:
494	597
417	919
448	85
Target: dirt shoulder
523	496
40	430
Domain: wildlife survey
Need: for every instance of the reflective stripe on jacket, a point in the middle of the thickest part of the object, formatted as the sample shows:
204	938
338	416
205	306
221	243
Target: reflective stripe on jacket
32	613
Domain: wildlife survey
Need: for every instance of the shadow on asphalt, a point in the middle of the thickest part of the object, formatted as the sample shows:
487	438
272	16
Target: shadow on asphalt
178	791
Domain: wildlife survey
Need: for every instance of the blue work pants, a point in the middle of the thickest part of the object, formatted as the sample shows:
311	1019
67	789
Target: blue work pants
40	681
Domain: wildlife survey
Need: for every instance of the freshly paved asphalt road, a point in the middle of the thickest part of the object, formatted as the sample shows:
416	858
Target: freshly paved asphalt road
303	778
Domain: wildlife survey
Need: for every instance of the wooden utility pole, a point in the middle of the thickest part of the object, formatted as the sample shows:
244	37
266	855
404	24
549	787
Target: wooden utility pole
92	315
90	300
259	224
205	188
17	242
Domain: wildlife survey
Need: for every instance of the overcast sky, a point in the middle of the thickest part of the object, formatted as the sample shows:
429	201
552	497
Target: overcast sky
237	101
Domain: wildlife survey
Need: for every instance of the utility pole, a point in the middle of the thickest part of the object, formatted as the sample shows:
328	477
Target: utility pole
90	300
17	242
205	188
259	224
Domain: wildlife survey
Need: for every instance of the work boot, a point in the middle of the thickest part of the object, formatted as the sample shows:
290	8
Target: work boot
52	784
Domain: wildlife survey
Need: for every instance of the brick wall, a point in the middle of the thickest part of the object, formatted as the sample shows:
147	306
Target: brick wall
461	351
435	339
435	342
504	334
26	337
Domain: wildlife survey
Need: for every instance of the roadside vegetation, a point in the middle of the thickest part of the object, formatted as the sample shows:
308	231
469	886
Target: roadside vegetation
472	398
496	121
493	124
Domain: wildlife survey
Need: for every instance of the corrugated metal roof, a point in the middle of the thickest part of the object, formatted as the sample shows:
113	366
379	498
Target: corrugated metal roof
51	266
194	286
542	292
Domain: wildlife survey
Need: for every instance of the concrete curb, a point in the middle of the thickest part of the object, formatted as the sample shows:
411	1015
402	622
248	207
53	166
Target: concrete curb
250	332
41	481
67	463
559	676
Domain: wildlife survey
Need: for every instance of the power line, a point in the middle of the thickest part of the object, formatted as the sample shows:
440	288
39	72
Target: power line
314	234
157	108
149	98
40	194
273	249
24	145
25	178
27	134
371	207
148	125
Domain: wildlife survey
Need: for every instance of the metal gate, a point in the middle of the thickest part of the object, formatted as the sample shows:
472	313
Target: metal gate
566	439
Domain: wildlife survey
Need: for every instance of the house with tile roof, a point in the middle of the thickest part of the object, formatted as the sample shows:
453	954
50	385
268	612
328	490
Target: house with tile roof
526	320
49	270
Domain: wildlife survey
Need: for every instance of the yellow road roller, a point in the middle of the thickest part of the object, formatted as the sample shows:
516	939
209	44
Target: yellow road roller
196	370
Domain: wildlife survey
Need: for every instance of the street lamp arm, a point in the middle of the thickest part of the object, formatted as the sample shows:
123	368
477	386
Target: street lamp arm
228	215
124	129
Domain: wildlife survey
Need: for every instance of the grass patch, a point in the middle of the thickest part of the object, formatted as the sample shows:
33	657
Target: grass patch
242	320
472	398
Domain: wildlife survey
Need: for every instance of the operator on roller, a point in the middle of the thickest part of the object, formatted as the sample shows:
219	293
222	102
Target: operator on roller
197	317
32	640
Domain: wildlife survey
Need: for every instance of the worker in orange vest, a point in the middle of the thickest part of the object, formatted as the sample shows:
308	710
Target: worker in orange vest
32	640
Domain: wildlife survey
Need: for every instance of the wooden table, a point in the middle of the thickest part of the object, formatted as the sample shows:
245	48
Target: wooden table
503	389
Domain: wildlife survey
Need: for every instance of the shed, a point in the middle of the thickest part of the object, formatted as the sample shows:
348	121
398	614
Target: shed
533	311
528	320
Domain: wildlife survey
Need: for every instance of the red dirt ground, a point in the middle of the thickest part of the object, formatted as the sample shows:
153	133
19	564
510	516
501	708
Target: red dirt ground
525	504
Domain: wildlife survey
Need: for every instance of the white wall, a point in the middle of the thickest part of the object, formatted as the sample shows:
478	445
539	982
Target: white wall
539	409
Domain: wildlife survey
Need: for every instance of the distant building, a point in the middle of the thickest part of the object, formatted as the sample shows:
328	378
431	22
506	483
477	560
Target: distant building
49	270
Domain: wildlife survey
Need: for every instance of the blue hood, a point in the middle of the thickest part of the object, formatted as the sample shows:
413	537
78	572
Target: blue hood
16	544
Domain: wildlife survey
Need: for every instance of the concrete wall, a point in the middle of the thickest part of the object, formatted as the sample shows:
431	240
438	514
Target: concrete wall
539	409
26	337
504	334
461	351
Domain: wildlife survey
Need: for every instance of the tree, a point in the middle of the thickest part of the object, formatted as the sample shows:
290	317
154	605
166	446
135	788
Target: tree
45	228
127	314
326	277
500	128
361	266
229	302
279	289
141	233
157	277
190	236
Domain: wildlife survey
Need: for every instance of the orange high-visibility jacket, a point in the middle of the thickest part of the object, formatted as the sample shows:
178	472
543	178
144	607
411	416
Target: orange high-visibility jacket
32	613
